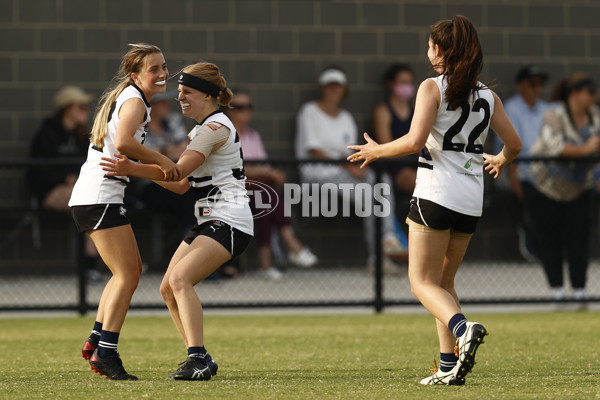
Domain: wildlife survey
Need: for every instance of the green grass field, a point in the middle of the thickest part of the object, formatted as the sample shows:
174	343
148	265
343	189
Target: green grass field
526	356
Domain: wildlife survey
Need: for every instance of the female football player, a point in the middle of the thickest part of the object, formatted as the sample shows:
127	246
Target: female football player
97	199
453	113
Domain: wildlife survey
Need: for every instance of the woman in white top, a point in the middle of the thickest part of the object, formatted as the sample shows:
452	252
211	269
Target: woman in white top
453	113
214	172
324	129
97	199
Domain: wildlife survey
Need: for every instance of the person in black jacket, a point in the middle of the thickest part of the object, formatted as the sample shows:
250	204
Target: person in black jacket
64	134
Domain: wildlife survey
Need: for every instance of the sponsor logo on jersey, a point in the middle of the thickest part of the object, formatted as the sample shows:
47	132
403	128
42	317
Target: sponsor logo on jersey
468	164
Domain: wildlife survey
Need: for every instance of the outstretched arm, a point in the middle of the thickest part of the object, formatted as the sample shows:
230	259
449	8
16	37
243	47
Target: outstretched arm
209	138
427	103
121	166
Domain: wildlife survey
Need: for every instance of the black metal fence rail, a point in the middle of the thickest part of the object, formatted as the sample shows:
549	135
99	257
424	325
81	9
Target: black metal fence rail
339	281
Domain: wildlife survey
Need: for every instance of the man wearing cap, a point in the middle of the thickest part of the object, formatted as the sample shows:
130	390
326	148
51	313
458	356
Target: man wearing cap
526	111
64	134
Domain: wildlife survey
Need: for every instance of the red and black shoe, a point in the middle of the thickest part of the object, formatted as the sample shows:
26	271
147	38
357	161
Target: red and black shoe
111	367
88	349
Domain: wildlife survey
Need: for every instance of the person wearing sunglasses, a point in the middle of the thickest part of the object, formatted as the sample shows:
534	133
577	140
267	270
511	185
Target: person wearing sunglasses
272	180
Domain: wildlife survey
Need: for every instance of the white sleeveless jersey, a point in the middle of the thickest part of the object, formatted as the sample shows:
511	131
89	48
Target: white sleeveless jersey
450	169
219	184
93	186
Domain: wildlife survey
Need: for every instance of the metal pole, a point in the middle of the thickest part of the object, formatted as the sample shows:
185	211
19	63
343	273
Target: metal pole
378	300
82	305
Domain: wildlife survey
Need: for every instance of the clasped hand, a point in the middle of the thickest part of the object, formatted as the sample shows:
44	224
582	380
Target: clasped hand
118	166
122	166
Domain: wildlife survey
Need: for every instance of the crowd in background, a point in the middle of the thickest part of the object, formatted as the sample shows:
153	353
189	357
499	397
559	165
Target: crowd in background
556	197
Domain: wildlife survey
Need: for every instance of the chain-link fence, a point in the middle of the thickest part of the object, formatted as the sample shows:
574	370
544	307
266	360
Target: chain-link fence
41	253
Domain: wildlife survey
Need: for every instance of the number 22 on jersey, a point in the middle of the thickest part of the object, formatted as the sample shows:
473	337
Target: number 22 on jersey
471	146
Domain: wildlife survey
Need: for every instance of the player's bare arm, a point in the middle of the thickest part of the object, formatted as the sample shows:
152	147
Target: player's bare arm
130	117
427	103
500	123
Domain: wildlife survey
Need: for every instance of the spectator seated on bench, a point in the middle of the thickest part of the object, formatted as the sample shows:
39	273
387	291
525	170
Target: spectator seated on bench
64	134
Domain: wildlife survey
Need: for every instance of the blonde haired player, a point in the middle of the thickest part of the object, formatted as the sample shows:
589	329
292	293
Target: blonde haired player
97	199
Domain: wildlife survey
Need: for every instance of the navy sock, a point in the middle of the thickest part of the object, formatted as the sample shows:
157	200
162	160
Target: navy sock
107	346
447	361
196	350
96	330
458	325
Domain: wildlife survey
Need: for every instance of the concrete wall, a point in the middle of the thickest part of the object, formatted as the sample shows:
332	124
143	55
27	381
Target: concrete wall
274	48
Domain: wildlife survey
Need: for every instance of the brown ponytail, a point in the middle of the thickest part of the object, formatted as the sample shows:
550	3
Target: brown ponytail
462	58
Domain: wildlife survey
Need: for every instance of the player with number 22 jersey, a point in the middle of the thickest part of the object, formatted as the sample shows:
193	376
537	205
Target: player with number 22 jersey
451	164
453	114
